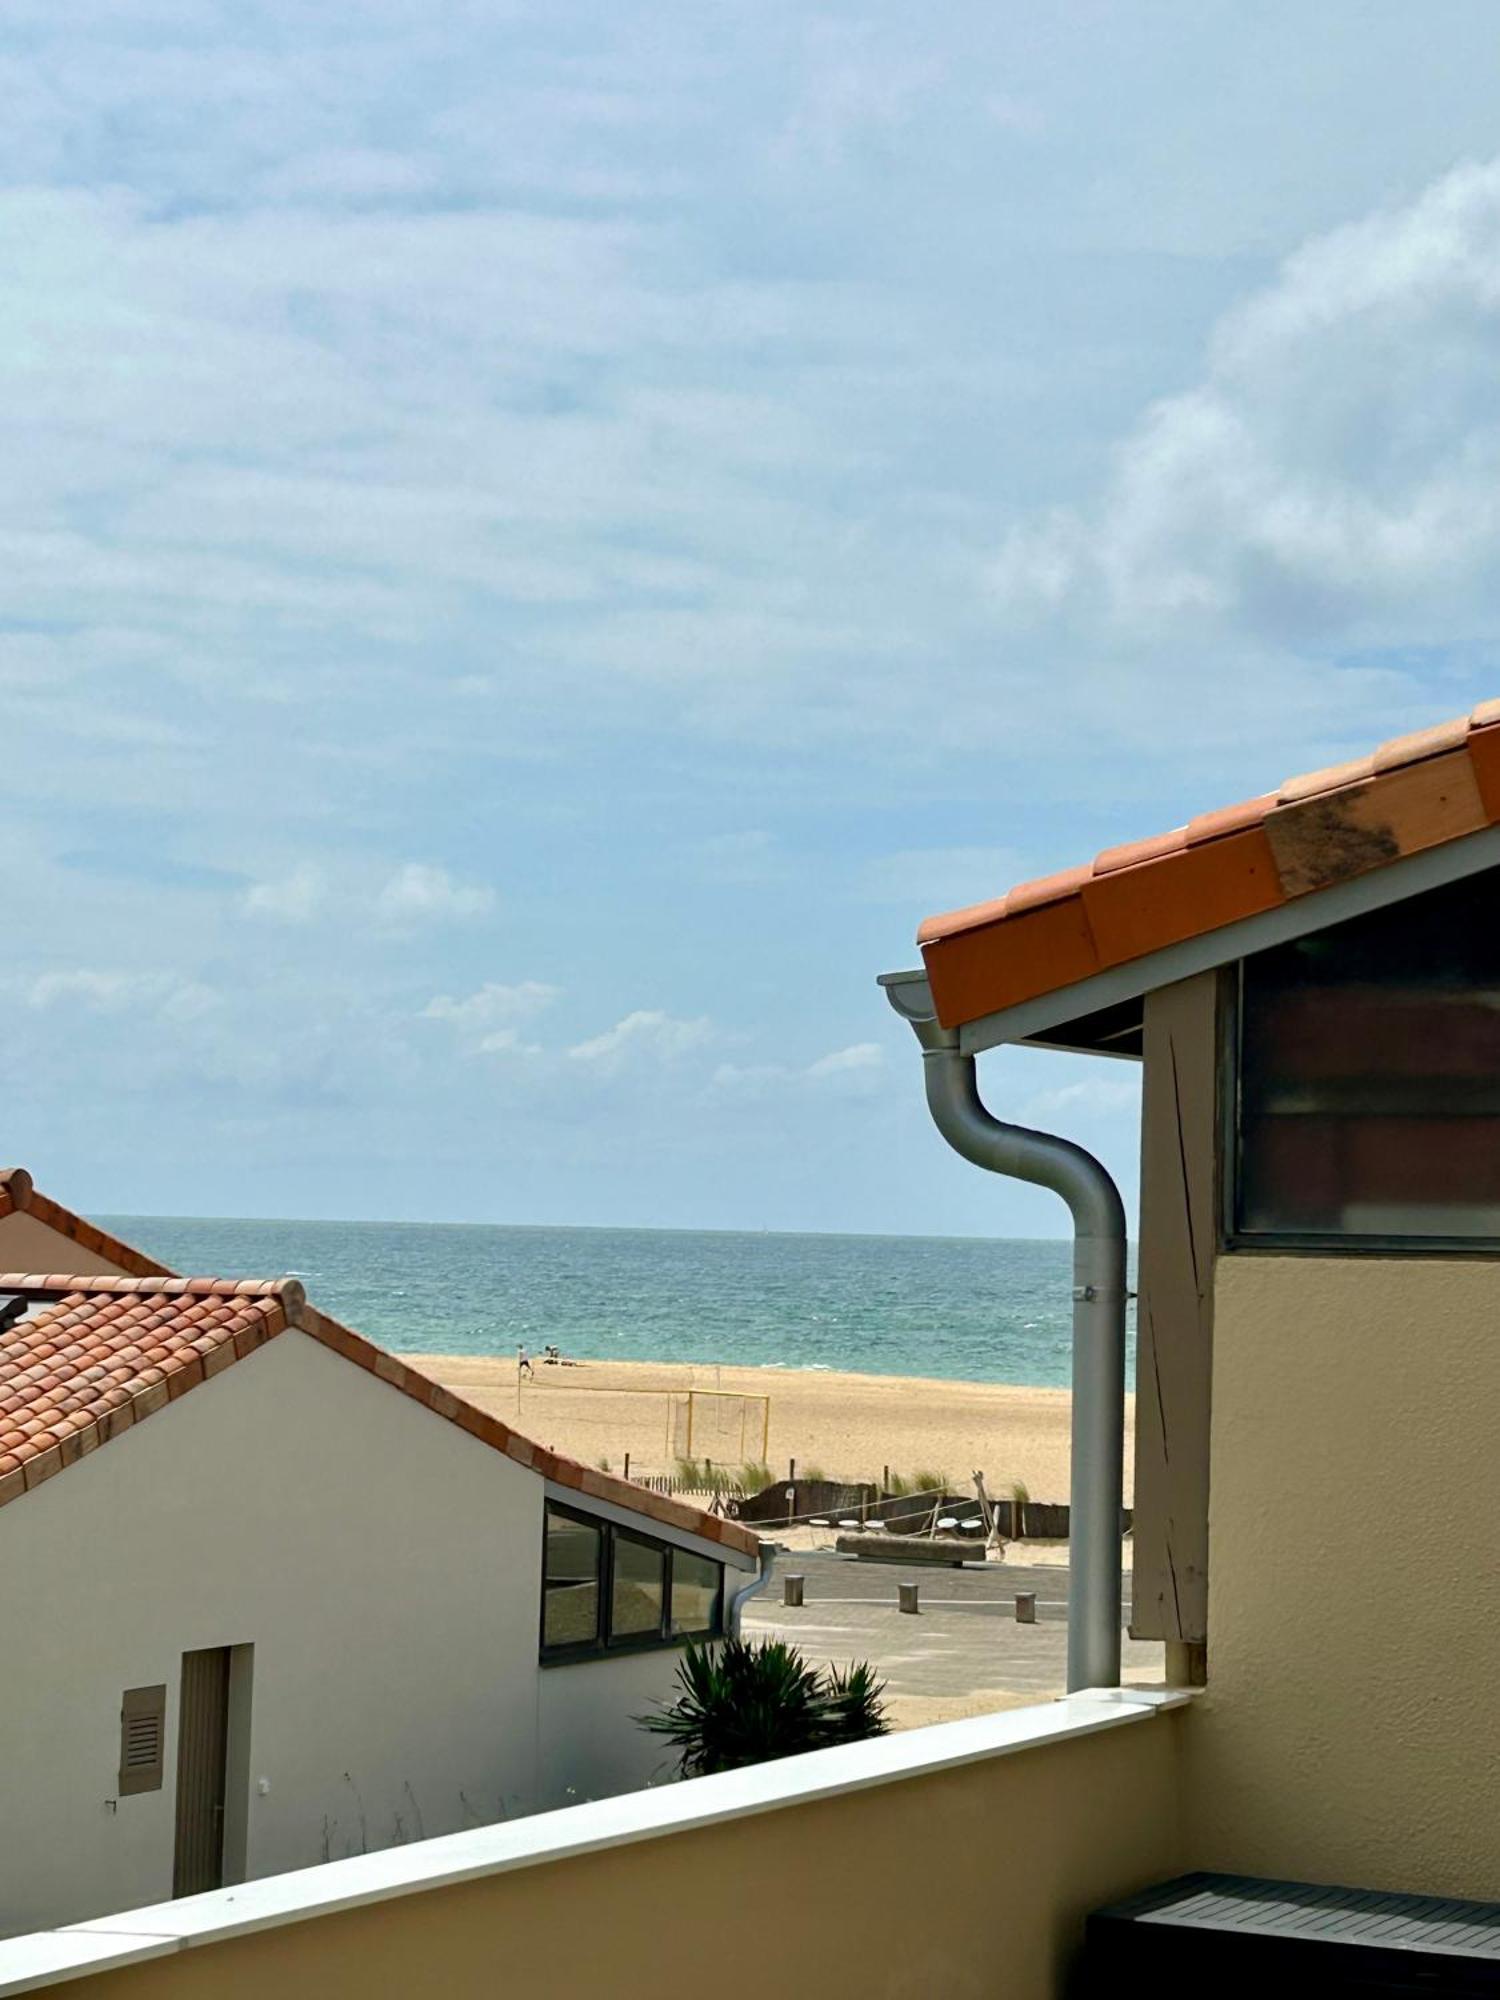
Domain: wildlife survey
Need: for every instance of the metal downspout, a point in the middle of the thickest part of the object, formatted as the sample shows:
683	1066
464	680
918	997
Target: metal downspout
753	1588
1099	1295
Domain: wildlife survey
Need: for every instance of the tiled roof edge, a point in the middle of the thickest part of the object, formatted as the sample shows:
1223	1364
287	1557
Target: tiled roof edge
265	1318
1414	792
274	1304
19	1192
64	1284
493	1431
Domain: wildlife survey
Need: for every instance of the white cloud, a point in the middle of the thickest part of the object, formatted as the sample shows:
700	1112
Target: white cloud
419	894
413	894
1101	1094
648	1037
491	1004
487	1022
174	999
855	1070
293	899
749	1079
857	1060
1334	479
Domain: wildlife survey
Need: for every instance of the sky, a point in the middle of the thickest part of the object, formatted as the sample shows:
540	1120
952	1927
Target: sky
537	541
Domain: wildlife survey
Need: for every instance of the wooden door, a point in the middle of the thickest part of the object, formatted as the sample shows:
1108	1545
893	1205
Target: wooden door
202	1750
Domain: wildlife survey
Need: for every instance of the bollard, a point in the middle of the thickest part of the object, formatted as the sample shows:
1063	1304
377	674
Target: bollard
906	1597
791	1589
1026	1607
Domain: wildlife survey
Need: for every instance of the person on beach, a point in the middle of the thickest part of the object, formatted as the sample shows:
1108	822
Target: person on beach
523	1362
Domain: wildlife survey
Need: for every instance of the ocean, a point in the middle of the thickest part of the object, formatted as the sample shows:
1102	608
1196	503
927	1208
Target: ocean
965	1309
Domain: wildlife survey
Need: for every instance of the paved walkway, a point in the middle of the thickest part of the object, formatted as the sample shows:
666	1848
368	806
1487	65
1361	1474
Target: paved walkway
962	1654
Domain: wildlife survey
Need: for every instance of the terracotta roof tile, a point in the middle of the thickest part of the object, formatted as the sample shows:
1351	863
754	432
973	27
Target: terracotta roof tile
97	1354
1134	852
1229	819
1415	792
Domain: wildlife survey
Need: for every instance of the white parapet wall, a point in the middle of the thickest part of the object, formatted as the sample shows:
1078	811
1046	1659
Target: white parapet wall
1047	1835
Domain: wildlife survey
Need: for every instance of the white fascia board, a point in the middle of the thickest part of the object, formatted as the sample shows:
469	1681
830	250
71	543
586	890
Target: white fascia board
647	1524
50	1957
1393	883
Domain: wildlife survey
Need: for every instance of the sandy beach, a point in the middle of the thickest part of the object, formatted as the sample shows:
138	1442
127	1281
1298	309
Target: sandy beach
843	1425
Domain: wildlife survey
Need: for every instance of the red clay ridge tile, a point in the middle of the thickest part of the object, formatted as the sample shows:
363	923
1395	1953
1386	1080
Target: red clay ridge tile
1331	779
1229	819
1046	889
1134	853
1433	742
1417	791
969	918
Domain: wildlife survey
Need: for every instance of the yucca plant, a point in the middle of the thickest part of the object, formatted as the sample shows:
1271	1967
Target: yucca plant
747	1702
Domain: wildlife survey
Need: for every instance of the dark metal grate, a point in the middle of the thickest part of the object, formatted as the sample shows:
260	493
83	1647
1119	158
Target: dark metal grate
1237	1929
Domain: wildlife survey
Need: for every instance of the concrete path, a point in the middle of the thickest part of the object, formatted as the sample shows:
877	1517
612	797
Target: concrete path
962	1654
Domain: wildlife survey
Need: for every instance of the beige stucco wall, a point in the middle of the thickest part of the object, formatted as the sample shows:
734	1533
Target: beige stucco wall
28	1244
1351	1727
799	1900
383	1564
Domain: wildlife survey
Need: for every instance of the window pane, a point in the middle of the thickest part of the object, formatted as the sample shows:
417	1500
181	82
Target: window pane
573	1554
1370	1075
695	1593
636	1600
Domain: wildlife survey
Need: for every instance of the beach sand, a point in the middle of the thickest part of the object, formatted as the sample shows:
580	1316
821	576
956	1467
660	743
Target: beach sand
844	1426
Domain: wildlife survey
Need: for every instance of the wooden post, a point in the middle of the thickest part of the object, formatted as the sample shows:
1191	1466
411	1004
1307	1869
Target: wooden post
627	1465
906	1597
791	1590
791	1471
1179	1221
989	1513
1026	1607
885	1479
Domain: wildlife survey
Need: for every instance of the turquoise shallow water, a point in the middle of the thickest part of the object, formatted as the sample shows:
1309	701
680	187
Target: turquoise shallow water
966	1309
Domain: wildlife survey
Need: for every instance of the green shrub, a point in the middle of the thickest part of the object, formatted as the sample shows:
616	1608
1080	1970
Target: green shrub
929	1482
898	1486
756	1475
749	1702
813	1471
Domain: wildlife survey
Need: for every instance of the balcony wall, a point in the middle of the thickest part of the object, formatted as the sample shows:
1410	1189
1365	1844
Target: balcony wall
1348	1732
958	1860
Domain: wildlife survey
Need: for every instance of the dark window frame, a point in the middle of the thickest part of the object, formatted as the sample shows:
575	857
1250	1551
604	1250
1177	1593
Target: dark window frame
1296	1242
604	1645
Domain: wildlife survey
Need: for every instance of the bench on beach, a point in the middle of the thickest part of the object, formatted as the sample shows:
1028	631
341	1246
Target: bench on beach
909	1549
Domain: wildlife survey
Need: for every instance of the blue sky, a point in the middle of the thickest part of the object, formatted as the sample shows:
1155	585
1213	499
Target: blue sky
537	541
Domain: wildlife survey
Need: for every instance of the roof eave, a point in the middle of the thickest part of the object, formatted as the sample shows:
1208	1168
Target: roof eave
1410	876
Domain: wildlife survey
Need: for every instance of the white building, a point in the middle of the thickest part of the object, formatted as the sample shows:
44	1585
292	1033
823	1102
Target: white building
269	1596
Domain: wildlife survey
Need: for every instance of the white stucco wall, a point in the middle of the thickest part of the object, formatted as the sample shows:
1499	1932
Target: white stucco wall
384	1566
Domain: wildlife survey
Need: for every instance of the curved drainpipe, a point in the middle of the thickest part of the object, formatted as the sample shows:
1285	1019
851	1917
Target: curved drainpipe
1098	1471
753	1588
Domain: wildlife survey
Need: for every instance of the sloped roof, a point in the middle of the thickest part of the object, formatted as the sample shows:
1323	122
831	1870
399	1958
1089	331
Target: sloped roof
95	1355
19	1192
1313	832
